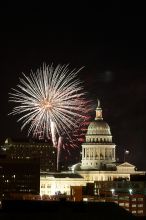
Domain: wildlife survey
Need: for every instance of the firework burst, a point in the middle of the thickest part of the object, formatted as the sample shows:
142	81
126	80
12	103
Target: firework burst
51	101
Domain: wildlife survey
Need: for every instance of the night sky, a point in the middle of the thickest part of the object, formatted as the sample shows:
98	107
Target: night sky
107	41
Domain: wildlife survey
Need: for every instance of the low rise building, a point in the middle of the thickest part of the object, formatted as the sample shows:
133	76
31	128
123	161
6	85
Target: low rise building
59	183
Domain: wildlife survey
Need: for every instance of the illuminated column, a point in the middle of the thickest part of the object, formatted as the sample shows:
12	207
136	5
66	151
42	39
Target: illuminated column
108	154
111	154
99	153
82	153
87	153
104	154
114	153
94	153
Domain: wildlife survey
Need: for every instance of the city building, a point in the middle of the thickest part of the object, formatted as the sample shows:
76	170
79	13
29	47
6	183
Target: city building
135	203
19	176
59	183
108	192
44	151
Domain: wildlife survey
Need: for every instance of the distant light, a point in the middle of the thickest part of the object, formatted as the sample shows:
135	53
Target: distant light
112	190
85	199
127	151
130	191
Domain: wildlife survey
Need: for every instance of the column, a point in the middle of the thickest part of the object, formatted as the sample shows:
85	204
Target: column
114	153
111	154
94	152
84	155
99	153
104	154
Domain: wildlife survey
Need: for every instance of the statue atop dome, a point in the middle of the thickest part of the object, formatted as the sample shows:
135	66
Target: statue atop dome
98	111
98	101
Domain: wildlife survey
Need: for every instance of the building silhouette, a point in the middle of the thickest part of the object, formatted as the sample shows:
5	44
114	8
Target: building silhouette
19	176
44	151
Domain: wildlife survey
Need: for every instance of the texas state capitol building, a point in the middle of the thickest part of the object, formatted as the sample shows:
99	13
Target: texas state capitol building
98	162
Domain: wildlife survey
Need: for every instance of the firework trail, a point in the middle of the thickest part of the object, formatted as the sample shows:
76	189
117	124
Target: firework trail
51	100
71	146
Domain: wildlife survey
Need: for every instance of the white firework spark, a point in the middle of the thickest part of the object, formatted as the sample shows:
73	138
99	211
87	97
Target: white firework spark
51	100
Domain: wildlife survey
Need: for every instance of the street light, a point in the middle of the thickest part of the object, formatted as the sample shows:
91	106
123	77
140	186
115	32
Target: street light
126	152
130	191
113	191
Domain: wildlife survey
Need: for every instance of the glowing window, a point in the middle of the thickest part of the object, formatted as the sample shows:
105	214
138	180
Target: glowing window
140	199
140	205
140	211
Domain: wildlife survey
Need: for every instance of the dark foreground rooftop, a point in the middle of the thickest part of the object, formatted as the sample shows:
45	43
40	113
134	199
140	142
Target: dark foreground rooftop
63	210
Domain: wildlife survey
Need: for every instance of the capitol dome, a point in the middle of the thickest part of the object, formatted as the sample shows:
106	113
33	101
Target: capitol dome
98	127
98	130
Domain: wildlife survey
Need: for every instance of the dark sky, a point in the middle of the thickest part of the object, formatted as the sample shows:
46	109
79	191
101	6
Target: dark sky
105	38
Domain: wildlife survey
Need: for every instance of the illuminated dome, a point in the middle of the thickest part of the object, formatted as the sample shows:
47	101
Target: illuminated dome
98	127
98	130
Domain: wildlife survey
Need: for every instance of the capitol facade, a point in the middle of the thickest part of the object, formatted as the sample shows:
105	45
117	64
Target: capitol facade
98	152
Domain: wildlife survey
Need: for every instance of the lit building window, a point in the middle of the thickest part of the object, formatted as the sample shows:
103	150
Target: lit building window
140	205
140	211
140	199
43	186
126	204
